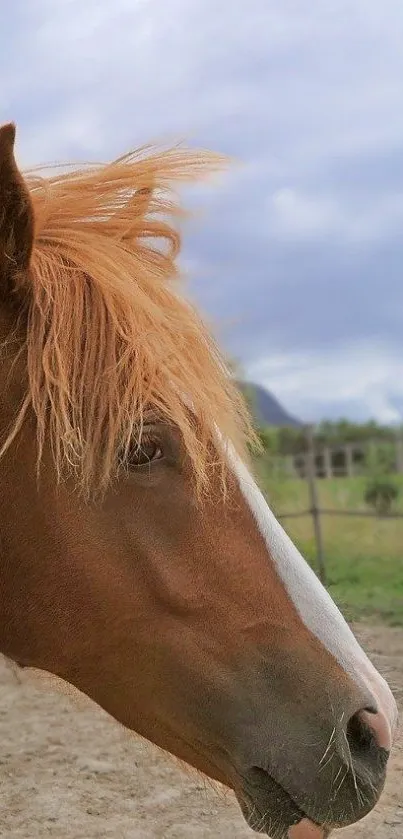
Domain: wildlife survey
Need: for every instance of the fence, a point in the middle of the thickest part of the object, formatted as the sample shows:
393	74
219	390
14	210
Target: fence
316	512
346	459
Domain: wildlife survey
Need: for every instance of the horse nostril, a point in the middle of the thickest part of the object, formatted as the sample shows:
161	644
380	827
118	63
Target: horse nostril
380	727
367	732
359	735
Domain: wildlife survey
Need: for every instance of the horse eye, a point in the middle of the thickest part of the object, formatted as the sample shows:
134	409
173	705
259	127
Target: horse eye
147	452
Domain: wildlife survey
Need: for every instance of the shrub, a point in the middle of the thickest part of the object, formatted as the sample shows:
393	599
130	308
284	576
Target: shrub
380	493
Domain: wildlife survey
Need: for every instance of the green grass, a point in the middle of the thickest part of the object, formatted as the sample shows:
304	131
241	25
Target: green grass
363	556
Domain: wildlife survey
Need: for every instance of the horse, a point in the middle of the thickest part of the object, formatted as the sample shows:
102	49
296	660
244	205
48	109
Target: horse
139	561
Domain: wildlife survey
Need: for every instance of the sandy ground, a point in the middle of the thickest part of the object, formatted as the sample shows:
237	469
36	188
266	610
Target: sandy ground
68	770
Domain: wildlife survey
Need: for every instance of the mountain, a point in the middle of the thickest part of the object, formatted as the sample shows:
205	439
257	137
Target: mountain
265	407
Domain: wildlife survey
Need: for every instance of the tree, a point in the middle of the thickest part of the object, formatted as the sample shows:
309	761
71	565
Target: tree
380	493
380	490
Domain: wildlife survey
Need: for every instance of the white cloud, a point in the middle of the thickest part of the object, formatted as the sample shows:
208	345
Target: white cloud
301	217
362	379
326	78
298	217
292	88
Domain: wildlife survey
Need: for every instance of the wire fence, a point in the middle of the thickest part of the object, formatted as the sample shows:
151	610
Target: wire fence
317	512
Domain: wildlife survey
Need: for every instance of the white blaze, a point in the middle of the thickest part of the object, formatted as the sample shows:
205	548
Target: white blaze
314	605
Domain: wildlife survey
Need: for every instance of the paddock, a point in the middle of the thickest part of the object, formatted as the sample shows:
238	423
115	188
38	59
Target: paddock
68	771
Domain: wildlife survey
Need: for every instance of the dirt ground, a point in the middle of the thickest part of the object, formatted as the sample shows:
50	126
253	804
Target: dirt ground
70	772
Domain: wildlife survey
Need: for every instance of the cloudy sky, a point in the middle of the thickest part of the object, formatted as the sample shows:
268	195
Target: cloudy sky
298	256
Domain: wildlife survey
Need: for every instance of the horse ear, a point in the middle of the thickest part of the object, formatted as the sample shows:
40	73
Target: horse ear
16	217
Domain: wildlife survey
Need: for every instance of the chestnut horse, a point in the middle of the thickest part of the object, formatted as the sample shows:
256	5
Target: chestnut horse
139	561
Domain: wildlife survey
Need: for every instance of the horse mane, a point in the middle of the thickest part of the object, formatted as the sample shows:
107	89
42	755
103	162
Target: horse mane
108	335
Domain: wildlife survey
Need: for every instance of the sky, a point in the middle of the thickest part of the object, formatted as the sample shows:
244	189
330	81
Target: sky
296	256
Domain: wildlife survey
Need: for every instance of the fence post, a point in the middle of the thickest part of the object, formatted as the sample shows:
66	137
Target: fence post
327	462
399	451
349	460
315	511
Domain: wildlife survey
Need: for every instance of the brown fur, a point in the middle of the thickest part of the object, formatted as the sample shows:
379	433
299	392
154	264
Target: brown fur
16	220
168	613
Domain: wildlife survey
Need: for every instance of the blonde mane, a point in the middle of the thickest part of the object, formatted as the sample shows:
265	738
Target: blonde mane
108	335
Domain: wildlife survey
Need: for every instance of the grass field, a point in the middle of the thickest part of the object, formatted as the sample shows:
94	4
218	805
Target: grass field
363	556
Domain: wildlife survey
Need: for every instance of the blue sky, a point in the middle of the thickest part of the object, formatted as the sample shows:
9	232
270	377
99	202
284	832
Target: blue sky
297	258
